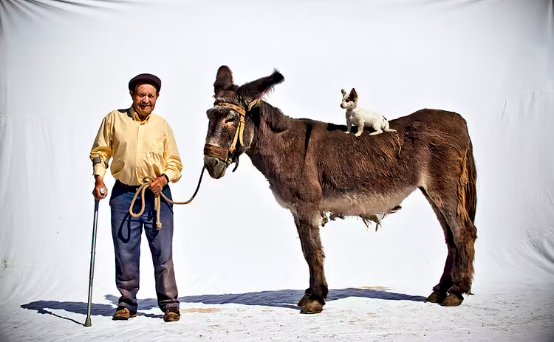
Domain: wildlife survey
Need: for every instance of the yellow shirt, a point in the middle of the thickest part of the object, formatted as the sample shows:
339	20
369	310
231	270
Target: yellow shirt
139	148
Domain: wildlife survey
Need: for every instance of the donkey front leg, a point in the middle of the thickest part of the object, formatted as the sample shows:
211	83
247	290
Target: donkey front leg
308	231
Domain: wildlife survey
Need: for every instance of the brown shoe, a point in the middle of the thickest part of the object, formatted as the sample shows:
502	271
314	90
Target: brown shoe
172	315
123	314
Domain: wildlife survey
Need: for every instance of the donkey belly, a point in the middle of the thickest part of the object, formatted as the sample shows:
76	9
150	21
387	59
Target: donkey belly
349	203
356	204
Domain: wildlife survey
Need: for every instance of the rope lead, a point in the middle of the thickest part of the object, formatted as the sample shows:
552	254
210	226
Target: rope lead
157	200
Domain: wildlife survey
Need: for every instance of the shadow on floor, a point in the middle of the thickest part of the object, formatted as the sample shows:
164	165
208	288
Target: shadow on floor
278	298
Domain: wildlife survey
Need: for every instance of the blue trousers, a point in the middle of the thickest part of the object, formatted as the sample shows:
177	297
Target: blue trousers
127	232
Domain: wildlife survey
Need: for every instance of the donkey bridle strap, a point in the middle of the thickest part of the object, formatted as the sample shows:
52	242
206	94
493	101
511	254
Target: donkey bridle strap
217	152
232	106
239	134
241	110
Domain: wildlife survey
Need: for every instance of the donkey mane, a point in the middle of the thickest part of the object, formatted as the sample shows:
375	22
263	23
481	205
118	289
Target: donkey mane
272	116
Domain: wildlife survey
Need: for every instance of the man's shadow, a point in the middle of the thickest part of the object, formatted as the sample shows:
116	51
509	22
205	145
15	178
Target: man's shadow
278	298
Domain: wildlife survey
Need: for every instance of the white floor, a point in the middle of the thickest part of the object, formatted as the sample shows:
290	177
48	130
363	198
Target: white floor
520	313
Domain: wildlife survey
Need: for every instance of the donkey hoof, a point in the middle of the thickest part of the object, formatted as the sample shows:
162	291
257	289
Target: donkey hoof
304	300
435	297
452	300
311	307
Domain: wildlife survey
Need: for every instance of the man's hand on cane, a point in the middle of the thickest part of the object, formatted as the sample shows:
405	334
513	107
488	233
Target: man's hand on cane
100	190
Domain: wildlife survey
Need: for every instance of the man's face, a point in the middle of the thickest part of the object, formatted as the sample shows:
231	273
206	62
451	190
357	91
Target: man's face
144	99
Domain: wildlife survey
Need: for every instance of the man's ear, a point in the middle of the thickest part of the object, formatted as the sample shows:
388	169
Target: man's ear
223	79
257	89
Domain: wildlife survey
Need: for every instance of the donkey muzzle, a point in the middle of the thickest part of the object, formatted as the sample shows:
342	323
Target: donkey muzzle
216	160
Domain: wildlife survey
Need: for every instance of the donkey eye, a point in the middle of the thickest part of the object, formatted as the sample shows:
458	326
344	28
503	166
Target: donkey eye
231	119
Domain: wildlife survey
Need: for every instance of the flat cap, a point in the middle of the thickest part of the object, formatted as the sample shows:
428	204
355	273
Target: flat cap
145	79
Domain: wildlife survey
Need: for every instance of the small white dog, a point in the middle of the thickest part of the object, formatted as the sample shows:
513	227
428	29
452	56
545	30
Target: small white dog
360	117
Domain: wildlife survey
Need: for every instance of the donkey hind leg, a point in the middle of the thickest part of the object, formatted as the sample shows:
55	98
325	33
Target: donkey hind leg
440	290
308	232
460	235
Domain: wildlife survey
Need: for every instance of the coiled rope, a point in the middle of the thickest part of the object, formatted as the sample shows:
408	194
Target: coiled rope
157	200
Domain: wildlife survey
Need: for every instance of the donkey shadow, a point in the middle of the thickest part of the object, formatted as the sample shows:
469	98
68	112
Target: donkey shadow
278	298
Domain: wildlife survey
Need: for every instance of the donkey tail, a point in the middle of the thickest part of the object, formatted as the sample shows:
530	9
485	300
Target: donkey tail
467	204
467	185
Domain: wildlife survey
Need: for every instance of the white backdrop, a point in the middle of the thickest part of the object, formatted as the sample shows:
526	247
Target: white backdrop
64	65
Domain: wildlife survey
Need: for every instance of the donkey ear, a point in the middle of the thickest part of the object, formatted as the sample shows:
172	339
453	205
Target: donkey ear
343	92
223	79
258	88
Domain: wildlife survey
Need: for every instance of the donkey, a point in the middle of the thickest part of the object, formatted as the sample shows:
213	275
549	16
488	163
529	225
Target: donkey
300	159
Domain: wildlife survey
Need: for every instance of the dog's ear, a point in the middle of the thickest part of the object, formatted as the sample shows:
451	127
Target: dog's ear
223	79
343	92
353	95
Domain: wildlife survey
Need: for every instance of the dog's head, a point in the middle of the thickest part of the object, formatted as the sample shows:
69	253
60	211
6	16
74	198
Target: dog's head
349	100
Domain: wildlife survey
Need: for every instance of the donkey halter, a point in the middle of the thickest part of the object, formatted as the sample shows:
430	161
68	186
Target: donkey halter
227	155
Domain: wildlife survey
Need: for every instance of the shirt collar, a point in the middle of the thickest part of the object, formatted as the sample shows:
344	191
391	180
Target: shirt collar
136	117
